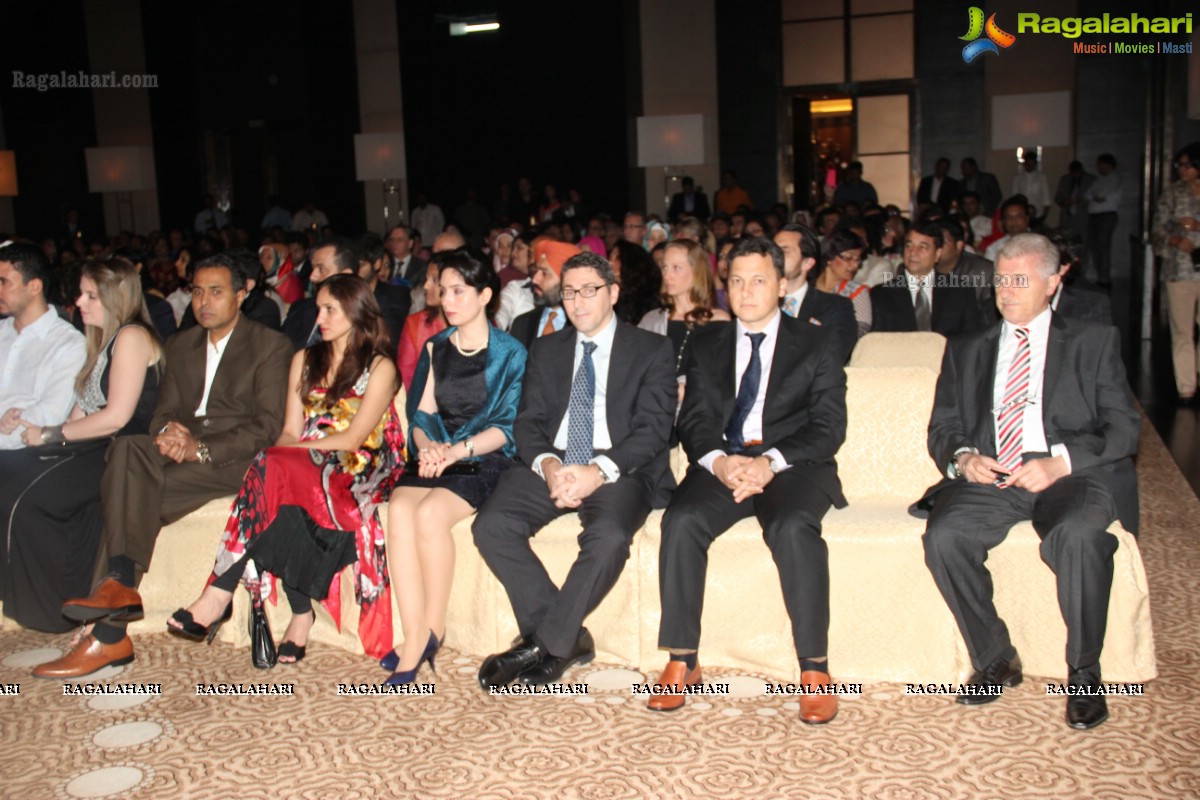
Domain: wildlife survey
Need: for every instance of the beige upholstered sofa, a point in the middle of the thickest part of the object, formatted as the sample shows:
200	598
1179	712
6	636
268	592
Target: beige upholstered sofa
888	621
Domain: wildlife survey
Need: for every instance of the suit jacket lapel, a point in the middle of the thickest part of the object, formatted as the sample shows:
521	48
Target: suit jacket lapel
563	375
1056	346
987	377
226	367
619	362
726	357
197	364
786	347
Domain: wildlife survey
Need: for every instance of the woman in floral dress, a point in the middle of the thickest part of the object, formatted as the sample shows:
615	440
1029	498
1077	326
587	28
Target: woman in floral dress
308	505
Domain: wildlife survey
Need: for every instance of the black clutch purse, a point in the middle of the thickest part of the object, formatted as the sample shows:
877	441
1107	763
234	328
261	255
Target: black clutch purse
457	468
262	643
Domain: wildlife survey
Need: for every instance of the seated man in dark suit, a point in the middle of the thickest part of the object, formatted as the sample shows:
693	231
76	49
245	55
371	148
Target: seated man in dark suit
1032	420
221	401
1075	296
338	255
765	450
688	203
548	315
801	254
595	417
394	301
917	299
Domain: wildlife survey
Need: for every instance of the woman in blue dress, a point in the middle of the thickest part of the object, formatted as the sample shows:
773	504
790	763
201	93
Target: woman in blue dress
461	409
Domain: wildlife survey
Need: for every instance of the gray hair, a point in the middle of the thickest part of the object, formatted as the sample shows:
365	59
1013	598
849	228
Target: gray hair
1045	253
591	261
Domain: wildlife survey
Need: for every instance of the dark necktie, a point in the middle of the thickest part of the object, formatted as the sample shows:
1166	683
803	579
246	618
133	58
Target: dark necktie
922	310
747	392
582	408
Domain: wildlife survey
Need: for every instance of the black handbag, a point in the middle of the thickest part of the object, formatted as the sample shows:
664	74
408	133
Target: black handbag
262	643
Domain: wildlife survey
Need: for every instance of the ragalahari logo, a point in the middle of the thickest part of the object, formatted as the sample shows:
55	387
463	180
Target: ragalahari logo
996	38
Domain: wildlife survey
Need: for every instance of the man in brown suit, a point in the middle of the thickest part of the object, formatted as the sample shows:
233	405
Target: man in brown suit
221	401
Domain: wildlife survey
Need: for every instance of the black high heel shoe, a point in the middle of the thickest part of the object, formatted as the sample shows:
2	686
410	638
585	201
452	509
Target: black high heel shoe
190	629
294	651
392	659
409	675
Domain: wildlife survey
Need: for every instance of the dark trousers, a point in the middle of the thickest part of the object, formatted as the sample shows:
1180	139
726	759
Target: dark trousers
517	510
790	510
143	490
1071	518
1100	229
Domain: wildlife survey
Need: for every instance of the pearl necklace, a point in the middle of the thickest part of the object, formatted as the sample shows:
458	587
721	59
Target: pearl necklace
466	353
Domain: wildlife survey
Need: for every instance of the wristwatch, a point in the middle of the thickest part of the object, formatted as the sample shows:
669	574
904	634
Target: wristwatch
202	454
954	467
470	445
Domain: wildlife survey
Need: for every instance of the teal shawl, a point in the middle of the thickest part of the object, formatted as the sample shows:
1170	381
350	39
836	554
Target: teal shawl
503	373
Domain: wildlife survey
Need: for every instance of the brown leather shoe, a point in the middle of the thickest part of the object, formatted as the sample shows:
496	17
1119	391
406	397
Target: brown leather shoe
110	600
88	656
817	709
671	685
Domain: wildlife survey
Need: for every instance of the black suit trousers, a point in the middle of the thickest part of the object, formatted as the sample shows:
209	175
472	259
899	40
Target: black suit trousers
790	510
1071	518
516	511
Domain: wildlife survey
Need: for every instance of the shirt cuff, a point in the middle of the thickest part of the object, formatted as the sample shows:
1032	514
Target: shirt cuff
776	457
537	464
707	459
1061	450
608	467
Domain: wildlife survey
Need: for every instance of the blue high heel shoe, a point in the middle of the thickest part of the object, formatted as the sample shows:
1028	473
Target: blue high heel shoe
409	675
392	659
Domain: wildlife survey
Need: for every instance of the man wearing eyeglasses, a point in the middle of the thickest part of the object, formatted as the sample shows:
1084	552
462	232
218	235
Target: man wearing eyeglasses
597	407
1032	420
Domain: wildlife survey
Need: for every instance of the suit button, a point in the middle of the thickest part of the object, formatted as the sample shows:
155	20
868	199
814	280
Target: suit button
207	422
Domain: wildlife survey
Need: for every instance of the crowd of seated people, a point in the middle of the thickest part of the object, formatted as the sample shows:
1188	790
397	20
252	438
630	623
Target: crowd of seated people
545	369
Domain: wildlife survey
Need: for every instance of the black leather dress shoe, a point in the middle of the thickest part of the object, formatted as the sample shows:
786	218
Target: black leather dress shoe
1085	710
551	668
983	687
502	669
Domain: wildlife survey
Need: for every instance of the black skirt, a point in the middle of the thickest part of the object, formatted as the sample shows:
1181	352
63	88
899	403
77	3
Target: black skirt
475	489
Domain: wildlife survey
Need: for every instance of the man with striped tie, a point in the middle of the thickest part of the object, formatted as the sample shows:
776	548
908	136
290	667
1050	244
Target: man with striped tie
1032	420
592	430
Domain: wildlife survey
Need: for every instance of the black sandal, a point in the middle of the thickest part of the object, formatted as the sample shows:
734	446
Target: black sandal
190	629
295	651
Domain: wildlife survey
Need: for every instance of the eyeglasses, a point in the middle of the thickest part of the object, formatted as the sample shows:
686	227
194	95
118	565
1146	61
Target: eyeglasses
850	258
586	292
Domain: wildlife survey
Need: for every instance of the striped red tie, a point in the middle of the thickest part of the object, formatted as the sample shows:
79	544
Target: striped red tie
1011	421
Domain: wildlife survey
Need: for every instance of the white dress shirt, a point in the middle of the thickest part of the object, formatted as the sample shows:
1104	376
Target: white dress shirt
601	438
793	301
212	360
1033	425
1036	188
752	428
38	367
1106	186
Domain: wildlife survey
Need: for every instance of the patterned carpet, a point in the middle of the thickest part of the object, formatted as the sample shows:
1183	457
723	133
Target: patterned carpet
458	742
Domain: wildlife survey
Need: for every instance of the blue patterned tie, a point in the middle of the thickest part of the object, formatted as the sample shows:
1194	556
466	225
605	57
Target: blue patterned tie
747	392
581	409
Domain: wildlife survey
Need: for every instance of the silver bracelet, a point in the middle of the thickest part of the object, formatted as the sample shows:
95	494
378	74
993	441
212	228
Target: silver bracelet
53	434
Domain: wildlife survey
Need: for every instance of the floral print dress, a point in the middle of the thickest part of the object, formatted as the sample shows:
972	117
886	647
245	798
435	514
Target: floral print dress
297	507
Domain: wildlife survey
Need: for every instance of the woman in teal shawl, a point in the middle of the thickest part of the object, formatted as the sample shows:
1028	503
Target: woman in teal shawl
461	407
